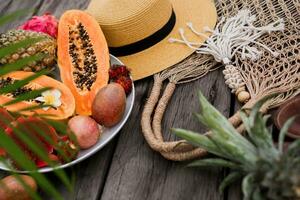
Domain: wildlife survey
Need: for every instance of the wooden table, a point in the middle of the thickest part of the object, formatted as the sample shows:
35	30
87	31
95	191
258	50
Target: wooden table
127	168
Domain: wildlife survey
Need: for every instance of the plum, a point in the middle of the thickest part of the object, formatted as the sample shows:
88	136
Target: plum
109	105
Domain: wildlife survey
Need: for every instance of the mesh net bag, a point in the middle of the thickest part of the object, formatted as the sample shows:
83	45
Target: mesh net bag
266	76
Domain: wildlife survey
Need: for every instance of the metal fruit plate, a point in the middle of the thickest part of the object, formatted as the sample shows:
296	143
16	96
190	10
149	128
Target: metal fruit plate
107	135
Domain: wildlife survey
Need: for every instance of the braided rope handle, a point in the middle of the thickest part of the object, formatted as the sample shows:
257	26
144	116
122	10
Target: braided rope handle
152	130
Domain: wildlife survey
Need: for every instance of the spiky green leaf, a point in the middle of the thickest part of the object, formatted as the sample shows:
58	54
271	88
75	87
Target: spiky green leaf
257	107
198	140
248	186
257	195
294	149
229	179
283	132
224	130
258	132
214	162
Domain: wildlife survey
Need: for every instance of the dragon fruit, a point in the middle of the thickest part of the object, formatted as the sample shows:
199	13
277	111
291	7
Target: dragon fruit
45	137
46	24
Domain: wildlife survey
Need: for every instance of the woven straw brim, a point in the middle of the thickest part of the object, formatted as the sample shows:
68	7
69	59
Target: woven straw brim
165	54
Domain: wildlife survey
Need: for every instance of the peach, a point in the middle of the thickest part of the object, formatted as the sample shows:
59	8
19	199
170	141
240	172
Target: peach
86	130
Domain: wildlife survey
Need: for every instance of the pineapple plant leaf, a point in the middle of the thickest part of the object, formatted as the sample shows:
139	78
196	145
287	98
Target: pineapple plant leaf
229	179
213	162
198	140
248	186
282	133
267	172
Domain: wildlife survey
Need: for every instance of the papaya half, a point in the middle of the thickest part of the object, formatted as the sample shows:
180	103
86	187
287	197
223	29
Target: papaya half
63	111
83	57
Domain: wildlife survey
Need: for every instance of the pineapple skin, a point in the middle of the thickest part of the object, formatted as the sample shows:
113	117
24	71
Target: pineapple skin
46	46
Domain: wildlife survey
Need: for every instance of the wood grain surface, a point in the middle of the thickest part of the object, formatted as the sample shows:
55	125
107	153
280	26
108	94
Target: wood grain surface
127	169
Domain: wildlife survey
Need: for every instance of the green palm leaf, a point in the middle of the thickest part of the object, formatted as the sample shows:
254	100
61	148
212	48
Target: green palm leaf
22	160
27	96
6	142
33	194
12	16
19	64
18	84
4	51
23	135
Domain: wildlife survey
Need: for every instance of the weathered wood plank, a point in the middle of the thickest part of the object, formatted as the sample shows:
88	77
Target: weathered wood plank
139	173
235	192
4	6
57	7
11	6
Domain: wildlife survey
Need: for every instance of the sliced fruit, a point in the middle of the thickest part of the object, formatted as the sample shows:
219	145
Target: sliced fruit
83	57
63	111
39	132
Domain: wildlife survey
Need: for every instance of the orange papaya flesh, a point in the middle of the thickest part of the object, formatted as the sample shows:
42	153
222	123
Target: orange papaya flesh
64	111
83	57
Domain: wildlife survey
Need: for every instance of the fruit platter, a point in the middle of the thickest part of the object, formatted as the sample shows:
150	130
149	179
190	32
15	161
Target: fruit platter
86	98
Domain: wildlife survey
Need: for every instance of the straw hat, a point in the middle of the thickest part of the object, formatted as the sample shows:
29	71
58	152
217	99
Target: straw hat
137	31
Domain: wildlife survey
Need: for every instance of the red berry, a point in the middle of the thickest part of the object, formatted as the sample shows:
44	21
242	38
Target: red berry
121	75
118	70
126	83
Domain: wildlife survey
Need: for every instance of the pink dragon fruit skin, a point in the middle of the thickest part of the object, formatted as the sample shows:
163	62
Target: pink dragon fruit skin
45	24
